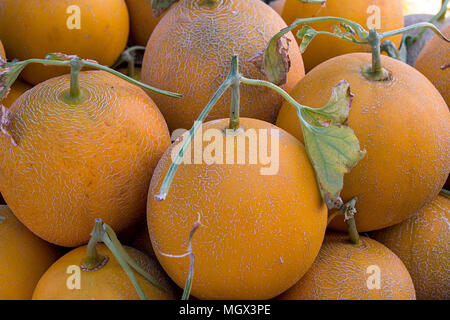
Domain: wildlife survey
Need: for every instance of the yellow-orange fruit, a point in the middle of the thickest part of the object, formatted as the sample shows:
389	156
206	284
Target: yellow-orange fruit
367	13
434	62
142	22
17	89
110	282
190	52
91	29
77	162
403	124
423	244
259	233
23	258
343	271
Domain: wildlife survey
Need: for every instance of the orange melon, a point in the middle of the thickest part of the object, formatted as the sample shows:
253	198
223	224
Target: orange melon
23	258
74	163
190	50
432	60
423	244
90	29
259	233
109	282
403	124
343	271
363	12
142	21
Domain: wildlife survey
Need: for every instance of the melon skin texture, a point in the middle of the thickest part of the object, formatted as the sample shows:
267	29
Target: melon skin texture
403	125
324	47
190	52
75	163
259	233
423	244
108	283
23	258
416	48
341	271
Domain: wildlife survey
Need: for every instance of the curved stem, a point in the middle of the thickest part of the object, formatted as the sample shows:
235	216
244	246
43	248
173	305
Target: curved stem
272	86
12	70
235	94
389	47
360	31
332	216
94	261
128	56
428	25
124	254
161	195
442	13
126	268
131	80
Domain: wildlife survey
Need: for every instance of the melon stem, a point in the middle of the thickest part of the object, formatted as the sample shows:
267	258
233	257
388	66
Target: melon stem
129	56
75	92
10	71
376	72
442	13
235	94
348	210
94	261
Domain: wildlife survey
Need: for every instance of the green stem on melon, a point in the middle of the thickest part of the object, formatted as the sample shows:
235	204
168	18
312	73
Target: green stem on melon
94	261
428	25
116	243
445	192
10	71
325	130
129	57
190	277
348	210
442	13
235	94
75	94
389	47
161	195
349	31
375	72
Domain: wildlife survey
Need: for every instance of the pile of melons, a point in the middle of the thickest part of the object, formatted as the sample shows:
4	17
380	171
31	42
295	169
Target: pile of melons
79	146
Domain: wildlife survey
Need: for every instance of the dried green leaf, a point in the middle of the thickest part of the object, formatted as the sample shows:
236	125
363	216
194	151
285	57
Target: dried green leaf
274	61
306	34
332	146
